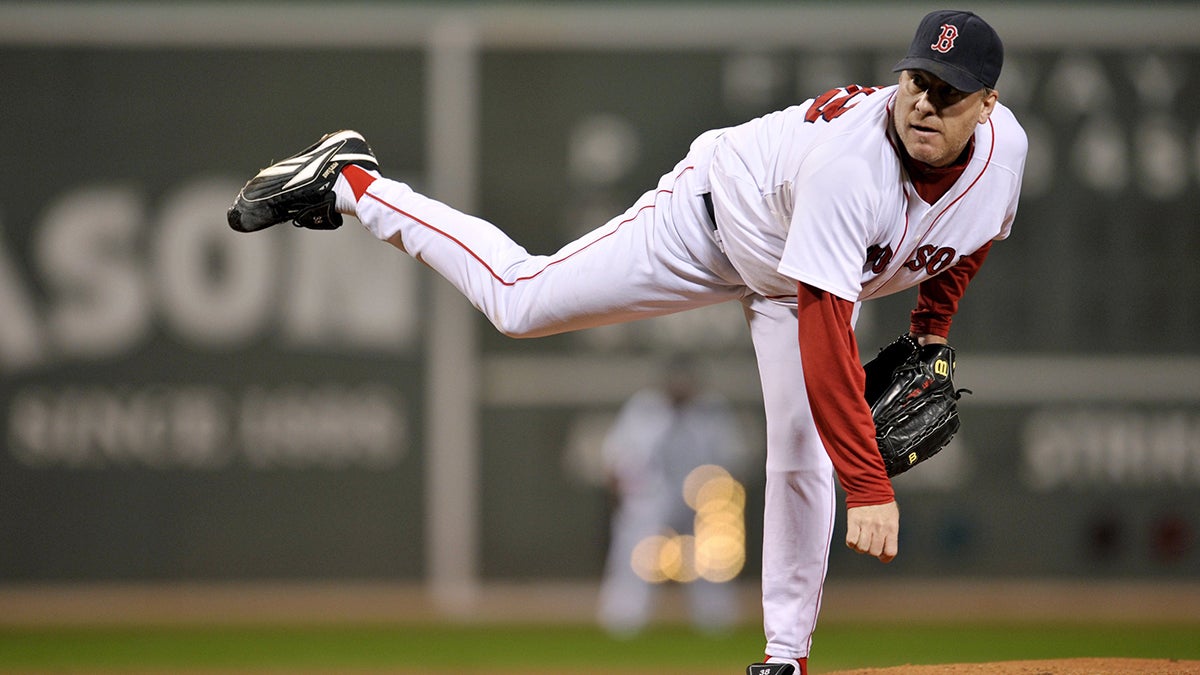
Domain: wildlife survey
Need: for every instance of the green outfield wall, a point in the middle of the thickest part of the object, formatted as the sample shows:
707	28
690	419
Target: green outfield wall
180	402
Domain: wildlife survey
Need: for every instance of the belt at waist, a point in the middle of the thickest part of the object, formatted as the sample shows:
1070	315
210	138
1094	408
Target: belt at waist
708	206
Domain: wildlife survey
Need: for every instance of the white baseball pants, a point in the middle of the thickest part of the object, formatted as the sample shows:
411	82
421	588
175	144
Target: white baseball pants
660	256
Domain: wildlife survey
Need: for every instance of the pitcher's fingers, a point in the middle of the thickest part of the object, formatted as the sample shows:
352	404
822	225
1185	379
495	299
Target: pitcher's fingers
852	534
862	541
891	549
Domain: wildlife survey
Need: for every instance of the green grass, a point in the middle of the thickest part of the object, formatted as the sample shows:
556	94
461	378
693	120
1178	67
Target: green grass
440	647
514	647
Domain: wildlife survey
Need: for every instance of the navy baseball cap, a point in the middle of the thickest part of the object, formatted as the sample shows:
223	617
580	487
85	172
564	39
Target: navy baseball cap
958	47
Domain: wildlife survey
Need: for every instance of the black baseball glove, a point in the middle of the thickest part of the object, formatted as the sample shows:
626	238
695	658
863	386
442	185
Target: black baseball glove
913	401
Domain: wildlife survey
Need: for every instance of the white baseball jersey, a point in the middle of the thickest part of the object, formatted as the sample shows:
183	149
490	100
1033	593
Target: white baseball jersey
816	193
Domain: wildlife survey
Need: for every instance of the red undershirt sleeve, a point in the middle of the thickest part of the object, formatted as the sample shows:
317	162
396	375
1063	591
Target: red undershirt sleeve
834	381
938	296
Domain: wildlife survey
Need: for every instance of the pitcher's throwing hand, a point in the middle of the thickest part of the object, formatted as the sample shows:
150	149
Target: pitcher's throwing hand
874	530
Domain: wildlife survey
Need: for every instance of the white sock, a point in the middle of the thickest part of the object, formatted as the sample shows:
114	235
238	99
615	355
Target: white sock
346	204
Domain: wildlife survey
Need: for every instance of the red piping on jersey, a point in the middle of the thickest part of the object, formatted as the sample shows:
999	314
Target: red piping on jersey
514	282
907	201
908	198
986	163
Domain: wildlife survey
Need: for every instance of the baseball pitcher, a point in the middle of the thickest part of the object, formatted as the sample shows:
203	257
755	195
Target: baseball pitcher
799	215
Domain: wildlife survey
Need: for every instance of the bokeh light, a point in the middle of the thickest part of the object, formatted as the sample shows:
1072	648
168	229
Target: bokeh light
717	550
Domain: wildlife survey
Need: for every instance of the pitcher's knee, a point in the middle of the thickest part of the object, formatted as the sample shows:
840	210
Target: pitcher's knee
519	333
522	327
794	454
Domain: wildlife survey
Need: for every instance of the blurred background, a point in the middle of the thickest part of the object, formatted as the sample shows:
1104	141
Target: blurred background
180	404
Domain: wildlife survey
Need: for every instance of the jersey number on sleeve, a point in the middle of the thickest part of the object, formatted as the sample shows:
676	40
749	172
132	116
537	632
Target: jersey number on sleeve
832	104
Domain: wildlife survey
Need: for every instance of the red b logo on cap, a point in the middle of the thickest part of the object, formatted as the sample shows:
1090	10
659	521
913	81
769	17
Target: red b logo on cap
945	41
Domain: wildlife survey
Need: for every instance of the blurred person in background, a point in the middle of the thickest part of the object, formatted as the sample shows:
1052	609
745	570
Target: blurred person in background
661	435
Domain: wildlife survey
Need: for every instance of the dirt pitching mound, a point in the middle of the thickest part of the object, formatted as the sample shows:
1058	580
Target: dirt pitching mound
1056	667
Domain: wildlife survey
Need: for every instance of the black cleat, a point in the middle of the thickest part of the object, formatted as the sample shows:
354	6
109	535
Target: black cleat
300	188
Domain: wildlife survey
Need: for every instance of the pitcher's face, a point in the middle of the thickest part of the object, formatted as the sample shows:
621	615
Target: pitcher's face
934	120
